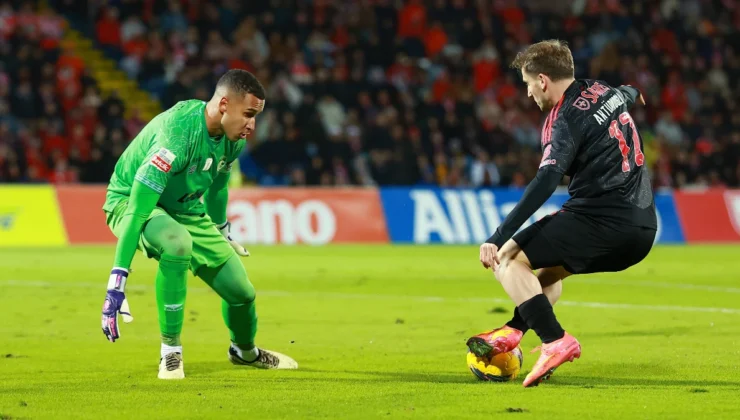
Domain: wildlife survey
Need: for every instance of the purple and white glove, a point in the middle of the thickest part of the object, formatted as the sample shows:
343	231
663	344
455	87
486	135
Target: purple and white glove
115	303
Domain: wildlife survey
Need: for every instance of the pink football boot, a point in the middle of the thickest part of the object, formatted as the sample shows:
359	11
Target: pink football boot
500	340
553	355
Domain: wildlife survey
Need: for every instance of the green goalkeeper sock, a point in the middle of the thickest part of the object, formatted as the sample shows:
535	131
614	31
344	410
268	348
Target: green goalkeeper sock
238	308
242	323
171	290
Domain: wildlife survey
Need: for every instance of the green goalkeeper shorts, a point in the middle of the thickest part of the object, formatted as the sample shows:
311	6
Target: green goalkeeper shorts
210	248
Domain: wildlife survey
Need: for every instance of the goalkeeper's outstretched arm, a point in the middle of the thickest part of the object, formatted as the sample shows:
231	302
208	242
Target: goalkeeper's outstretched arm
142	202
151	163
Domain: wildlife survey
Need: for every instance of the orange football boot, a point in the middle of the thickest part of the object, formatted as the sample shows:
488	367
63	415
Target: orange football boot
553	355
500	340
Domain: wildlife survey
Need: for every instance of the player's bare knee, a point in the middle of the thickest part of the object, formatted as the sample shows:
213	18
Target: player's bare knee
511	257
551	275
522	258
511	251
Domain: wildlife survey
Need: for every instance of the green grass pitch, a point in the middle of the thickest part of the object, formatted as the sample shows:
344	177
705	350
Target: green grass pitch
378	331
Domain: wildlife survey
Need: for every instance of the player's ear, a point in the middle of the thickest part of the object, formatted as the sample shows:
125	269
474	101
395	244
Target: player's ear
223	104
542	79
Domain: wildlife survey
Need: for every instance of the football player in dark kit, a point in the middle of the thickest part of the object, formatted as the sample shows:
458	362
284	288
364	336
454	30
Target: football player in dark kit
608	224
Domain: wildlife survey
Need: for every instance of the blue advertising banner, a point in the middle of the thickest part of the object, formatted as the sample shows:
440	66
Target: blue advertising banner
470	216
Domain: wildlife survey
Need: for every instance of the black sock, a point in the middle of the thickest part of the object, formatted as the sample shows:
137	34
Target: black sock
538	314
518	322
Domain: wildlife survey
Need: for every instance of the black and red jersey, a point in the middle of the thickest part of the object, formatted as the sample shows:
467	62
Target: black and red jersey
590	136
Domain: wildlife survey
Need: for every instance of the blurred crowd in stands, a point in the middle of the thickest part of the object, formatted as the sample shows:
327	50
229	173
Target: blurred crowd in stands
371	92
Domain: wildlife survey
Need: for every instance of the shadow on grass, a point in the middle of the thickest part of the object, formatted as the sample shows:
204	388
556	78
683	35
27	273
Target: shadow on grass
564	379
321	375
603	382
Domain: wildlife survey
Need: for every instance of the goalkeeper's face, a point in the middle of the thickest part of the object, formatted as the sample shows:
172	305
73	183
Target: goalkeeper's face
238	115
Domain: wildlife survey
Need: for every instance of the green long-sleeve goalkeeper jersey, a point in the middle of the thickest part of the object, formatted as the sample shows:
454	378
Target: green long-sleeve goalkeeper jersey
178	162
174	156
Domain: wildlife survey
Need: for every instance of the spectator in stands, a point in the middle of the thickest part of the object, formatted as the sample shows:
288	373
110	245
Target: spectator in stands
380	93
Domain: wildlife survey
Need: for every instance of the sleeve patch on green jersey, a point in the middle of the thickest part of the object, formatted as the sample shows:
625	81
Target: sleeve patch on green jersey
163	160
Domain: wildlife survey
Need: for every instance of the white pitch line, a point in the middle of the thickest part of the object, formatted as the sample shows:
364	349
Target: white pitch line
659	285
582	280
428	299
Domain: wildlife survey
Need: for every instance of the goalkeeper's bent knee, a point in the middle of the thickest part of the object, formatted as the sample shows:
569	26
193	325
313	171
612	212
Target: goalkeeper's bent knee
243	294
241	299
230	281
241	291
177	242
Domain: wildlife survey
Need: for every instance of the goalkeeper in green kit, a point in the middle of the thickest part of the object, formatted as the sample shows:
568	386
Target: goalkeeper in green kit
153	205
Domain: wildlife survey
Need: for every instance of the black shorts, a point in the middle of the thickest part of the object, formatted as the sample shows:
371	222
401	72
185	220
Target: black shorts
582	244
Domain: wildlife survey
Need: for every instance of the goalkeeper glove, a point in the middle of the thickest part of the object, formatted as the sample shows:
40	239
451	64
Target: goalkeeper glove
115	303
226	231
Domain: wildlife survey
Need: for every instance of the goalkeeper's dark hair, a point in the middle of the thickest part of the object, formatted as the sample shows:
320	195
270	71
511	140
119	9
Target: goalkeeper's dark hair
551	58
241	82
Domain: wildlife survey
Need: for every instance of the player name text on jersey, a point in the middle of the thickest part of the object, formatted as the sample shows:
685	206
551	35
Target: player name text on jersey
603	114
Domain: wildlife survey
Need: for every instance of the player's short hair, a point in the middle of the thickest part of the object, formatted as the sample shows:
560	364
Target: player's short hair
241	82
552	58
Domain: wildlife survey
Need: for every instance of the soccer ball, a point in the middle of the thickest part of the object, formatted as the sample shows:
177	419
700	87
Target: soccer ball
499	368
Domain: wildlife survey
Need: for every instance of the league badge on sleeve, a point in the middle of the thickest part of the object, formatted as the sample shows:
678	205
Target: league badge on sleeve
163	160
